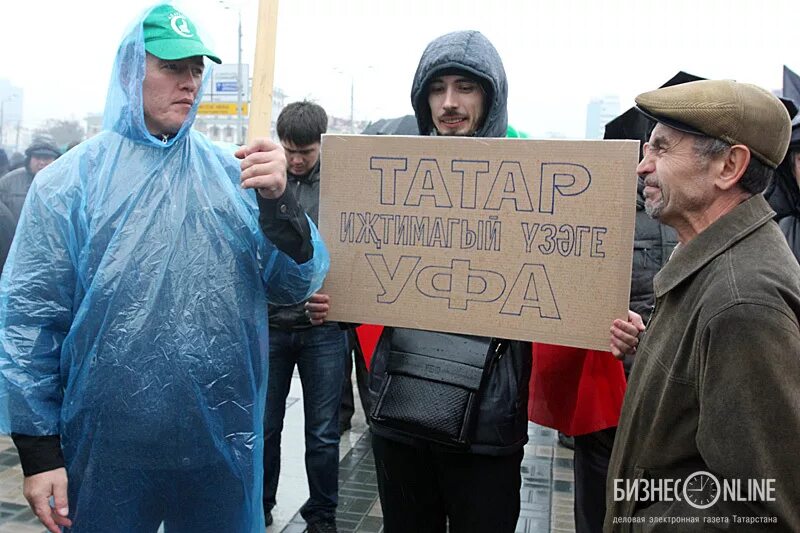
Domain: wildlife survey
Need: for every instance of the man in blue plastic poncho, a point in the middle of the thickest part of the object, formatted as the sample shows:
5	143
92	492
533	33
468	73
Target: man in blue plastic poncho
133	308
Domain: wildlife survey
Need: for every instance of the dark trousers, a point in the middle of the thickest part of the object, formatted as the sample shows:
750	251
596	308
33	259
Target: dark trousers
348	407
319	354
592	453
422	489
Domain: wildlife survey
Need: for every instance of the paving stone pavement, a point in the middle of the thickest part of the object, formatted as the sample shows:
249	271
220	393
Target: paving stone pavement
546	494
15	515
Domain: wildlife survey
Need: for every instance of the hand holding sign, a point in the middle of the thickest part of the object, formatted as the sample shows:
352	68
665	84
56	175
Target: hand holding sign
317	308
263	167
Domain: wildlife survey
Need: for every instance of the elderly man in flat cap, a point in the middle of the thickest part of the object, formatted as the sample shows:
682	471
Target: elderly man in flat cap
709	428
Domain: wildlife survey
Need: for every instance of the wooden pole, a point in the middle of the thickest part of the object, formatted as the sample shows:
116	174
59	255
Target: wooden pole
263	71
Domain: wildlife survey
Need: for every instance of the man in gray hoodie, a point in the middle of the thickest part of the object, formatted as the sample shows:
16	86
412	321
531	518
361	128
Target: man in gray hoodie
459	89
427	483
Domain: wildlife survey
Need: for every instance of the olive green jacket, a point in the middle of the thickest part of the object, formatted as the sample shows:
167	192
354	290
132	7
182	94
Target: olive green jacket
716	384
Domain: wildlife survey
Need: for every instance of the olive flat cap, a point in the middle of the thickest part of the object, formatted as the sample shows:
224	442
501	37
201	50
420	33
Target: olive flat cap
737	113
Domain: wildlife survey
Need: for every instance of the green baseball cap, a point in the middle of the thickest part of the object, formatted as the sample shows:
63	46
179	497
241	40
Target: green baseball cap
170	35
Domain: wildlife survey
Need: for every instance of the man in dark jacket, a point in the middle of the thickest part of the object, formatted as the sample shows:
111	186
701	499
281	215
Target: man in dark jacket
319	351
459	89
783	194
713	392
14	188
653	243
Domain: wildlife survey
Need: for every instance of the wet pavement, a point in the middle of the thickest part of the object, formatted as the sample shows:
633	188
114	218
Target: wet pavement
546	495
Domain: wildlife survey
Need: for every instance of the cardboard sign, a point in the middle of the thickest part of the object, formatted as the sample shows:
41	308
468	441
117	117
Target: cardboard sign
510	238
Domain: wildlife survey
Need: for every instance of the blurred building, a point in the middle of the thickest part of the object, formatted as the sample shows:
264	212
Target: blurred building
600	112
223	126
11	99
218	115
345	125
551	134
94	124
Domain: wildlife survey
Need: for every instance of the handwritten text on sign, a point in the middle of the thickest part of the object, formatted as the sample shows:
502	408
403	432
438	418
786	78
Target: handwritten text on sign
504	237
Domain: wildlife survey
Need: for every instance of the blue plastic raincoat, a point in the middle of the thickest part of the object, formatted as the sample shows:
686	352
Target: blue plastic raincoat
133	322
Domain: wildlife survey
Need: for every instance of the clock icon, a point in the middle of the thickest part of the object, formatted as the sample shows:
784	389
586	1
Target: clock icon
701	489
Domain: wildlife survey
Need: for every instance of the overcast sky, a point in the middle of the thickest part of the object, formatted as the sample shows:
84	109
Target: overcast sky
558	54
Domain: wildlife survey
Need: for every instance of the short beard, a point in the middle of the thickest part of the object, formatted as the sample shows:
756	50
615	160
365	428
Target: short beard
653	210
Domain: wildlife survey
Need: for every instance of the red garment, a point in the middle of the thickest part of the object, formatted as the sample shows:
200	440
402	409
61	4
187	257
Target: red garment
574	390
368	336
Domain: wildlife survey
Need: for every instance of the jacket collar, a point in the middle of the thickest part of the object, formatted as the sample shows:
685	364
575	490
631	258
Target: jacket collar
311	177
723	234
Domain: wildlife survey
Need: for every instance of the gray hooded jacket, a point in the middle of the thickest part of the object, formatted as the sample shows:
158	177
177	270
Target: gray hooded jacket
469	51
501	426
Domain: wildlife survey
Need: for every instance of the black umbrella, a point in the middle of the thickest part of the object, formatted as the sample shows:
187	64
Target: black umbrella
791	84
632	124
405	125
629	125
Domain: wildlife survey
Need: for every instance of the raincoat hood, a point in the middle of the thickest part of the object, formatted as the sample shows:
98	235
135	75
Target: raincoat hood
471	52
124	111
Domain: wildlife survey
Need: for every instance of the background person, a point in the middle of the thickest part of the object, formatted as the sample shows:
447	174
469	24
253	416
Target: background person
319	351
784	194
14	188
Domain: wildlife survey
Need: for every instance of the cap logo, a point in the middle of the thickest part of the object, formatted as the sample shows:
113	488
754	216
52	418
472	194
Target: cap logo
180	25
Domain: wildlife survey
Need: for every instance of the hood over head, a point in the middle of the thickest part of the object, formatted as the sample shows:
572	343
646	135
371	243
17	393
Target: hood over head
124	112
471	52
